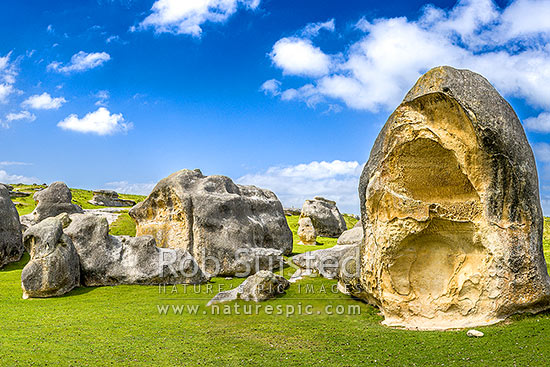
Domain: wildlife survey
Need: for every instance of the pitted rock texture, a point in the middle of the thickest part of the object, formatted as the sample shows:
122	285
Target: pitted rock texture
450	210
113	260
54	267
109	198
229	229
306	232
326	217
54	200
11	241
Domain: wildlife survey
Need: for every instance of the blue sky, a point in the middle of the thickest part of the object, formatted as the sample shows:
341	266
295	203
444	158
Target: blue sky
287	95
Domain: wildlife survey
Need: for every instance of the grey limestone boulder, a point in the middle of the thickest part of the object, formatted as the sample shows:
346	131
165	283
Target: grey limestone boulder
11	242
226	227
54	267
112	260
326	217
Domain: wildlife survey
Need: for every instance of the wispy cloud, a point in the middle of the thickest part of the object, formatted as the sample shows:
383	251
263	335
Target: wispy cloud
80	62
126	187
5	177
20	116
14	163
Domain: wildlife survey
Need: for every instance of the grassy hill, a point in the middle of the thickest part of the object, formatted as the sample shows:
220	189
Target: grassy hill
123	326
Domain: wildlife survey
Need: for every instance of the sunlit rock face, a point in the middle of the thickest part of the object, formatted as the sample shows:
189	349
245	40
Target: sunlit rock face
450	210
230	229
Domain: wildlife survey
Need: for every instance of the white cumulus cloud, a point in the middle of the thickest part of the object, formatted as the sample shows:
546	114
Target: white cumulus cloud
43	102
188	17
5	91
80	62
298	56
510	46
540	123
100	122
337	180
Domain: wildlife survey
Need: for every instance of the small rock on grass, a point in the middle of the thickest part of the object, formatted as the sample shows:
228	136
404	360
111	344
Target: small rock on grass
474	333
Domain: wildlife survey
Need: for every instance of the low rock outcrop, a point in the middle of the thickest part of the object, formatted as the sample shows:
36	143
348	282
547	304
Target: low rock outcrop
110	198
11	242
111	260
259	287
451	212
54	200
325	216
54	266
229	229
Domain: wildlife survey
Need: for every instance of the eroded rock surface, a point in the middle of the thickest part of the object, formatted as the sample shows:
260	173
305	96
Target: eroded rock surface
11	242
54	200
113	260
450	210
110	198
306	232
54	267
325	216
259	287
229	229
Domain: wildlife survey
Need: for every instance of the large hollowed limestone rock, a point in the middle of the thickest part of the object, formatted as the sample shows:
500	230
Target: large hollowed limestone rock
230	229
450	209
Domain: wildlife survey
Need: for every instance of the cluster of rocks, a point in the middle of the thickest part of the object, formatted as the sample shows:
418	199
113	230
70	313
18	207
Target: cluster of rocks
338	262
319	217
15	193
71	250
450	233
204	226
110	198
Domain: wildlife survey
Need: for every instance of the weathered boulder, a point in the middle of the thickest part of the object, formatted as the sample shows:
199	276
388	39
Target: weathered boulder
11	242
229	229
109	198
326	217
259	287
450	210
54	266
111	260
327	262
352	236
306	232
54	200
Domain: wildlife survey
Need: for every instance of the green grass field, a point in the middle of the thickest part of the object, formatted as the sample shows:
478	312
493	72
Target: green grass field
122	326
